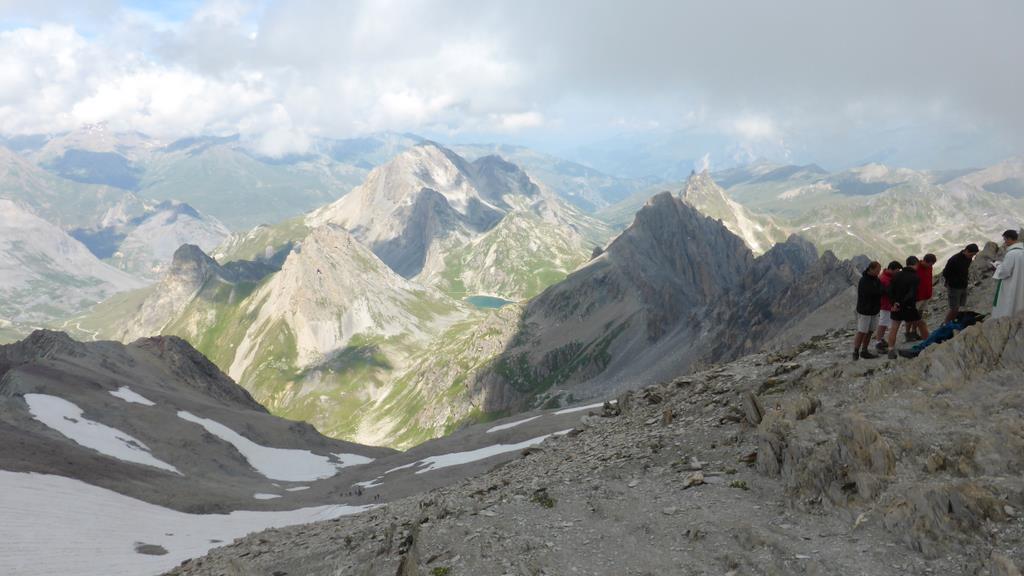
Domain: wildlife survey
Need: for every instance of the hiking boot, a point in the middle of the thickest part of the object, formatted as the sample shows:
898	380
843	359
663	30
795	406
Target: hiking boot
856	355
882	346
867	355
911	353
892	354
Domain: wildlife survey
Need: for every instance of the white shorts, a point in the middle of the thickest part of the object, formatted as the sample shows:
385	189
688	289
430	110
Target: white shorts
867	324
885	318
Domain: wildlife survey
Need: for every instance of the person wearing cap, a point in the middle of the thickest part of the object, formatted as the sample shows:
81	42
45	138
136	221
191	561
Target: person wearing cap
956	276
1009	277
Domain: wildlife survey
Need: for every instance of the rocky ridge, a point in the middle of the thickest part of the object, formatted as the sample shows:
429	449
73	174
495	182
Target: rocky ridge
790	461
758	231
675	291
141	390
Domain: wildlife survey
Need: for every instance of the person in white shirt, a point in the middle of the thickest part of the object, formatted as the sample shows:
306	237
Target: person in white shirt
1009	276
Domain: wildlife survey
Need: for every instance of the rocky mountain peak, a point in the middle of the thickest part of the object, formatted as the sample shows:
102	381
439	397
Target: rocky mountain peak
39	345
496	178
701	187
671	239
192	266
759	232
191	368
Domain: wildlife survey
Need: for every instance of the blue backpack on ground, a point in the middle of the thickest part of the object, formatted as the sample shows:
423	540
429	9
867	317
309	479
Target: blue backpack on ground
945	332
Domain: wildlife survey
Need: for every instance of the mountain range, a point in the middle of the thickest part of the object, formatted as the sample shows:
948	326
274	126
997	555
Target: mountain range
319	327
326	331
884	212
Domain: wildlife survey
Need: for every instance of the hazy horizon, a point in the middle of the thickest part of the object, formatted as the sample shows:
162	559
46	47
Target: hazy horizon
911	85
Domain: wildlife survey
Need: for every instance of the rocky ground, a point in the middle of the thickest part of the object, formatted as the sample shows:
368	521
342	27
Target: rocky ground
793	461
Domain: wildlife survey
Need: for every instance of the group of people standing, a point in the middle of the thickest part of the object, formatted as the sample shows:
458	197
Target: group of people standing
894	297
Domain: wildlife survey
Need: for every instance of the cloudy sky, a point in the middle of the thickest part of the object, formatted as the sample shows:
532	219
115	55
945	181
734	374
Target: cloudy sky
824	81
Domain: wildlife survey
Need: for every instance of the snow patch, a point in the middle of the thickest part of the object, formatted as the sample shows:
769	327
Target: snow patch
371	483
297	488
346	460
128	395
66	417
57	525
579	408
511	424
274	463
263	496
459	458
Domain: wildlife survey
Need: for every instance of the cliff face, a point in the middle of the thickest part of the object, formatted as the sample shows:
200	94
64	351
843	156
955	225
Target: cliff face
676	290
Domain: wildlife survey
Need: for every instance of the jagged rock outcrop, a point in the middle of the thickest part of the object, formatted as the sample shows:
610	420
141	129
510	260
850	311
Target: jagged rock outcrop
758	231
674	291
191	274
931	449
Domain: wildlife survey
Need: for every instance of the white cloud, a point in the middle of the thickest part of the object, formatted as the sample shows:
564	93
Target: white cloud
752	128
281	71
520	120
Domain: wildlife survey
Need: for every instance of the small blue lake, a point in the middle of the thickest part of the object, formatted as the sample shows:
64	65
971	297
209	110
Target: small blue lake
487	301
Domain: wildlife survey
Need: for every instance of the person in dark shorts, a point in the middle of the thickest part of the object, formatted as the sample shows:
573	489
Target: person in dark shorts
903	293
885	315
869	303
956	276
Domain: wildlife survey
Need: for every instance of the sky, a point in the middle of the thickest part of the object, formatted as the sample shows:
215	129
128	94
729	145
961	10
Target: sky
839	83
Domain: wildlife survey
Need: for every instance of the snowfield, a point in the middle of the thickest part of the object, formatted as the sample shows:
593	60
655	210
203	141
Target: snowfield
66	417
277	463
128	395
55	525
511	424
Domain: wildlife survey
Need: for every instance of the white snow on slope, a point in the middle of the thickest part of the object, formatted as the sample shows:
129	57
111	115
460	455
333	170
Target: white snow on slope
265	496
66	418
458	458
511	424
579	408
352	459
56	525
128	395
274	463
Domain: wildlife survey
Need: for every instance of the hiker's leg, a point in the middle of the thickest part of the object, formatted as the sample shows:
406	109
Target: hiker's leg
950	315
894	333
922	328
858	340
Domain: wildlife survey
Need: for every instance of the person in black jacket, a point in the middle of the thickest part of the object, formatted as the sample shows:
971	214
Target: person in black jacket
956	275
903	293
869	303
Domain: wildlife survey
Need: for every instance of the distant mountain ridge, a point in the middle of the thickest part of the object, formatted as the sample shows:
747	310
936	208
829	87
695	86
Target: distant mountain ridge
873	209
427	212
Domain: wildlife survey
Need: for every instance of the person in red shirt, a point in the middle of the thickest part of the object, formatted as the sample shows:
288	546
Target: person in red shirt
924	291
885	316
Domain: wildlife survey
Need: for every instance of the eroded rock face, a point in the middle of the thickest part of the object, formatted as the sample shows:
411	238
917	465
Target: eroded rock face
675	291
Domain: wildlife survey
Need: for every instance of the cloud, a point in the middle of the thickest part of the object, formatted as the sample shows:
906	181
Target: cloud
752	128
284	71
